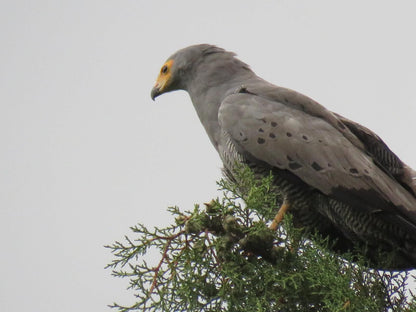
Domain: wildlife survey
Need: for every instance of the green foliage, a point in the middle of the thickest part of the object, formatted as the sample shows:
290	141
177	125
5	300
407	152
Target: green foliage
223	257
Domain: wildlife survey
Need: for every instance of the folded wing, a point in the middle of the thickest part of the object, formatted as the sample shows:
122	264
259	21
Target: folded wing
318	153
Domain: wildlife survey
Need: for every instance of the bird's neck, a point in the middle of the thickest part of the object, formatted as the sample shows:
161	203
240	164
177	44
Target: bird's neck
208	89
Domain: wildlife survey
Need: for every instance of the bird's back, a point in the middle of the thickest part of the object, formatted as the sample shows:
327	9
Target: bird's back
377	223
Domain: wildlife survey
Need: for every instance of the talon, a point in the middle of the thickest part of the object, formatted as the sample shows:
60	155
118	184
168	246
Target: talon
279	216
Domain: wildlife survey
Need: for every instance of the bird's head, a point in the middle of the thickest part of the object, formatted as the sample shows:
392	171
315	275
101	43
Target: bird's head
204	63
179	68
168	78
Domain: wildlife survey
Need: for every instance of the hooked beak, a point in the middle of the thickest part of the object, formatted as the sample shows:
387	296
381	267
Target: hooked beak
155	92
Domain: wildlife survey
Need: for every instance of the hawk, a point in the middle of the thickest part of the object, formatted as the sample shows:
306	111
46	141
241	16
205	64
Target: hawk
337	177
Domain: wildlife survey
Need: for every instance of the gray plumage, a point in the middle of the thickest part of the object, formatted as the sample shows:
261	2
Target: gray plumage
338	177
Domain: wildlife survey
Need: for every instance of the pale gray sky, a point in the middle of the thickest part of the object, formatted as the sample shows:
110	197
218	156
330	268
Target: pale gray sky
85	153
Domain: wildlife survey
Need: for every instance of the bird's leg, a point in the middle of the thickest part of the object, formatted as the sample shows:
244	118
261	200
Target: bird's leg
279	216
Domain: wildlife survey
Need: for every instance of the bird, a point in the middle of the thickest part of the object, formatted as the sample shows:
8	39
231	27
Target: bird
337	177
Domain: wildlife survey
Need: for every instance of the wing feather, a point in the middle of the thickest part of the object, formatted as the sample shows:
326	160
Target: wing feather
383	155
314	150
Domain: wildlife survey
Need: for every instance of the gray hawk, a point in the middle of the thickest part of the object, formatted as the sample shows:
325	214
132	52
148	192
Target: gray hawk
337	177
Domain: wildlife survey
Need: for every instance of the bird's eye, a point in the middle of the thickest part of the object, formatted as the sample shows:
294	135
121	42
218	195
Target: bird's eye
164	69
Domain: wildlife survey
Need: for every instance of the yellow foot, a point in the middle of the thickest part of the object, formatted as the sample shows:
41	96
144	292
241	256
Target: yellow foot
279	216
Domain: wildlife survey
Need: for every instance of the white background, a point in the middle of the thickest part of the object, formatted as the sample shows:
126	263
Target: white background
85	153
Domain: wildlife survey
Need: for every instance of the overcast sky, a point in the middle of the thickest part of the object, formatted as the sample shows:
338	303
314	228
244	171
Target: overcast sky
85	153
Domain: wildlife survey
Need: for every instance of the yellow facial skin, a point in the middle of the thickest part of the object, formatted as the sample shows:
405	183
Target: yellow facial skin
164	76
